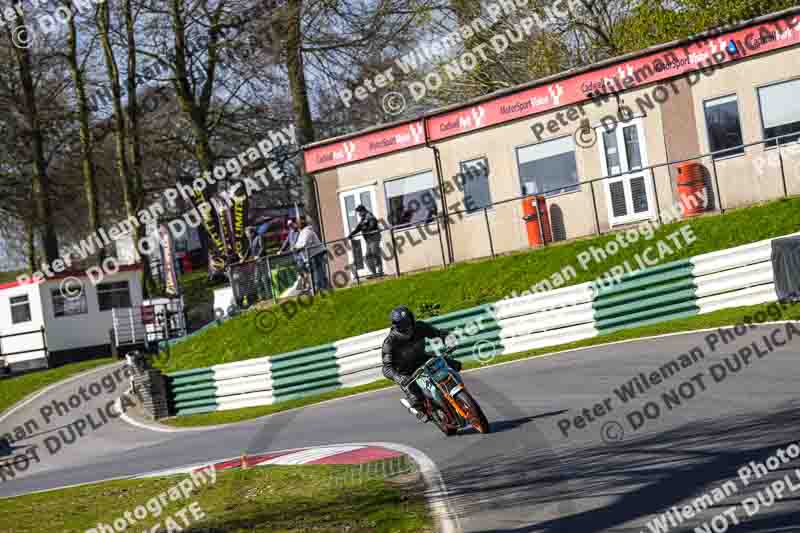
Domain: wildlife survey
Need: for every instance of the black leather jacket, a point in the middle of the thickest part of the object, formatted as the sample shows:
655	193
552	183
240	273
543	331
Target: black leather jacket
401	358
368	226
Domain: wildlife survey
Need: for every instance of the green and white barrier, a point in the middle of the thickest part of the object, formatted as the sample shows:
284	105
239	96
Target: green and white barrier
729	278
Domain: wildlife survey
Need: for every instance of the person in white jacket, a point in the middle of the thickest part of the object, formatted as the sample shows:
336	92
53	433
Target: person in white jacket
313	253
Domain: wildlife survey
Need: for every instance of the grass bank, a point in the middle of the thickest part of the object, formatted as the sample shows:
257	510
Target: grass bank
724	317
292	499
15	389
11	275
359	310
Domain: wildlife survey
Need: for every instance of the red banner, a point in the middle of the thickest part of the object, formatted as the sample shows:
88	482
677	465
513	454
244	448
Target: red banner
659	66
364	146
711	52
168	260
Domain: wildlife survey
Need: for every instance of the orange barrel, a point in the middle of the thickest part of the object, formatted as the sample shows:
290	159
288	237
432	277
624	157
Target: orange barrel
536	230
690	188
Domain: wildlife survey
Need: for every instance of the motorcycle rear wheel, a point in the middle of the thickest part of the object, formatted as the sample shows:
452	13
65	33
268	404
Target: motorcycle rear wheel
476	417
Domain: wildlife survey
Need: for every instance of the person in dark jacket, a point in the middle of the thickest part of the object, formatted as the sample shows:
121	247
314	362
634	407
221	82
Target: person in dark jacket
403	352
368	226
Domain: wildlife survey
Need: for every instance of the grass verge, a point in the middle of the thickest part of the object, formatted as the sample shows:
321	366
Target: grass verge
15	389
724	317
275	499
342	314
11	275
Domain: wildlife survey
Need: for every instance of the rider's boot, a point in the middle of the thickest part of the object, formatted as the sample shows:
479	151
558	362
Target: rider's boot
419	410
416	408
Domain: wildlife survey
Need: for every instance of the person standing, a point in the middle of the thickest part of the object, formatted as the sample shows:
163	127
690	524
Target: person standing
291	237
314	254
369	228
255	252
292	232
255	243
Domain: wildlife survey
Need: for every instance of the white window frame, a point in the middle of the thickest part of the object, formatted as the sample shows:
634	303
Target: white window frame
102	291
356	192
436	197
772	145
55	293
631	217
720	157
570	189
12	305
472	160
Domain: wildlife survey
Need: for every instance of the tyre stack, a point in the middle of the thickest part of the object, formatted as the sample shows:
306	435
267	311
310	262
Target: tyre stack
151	388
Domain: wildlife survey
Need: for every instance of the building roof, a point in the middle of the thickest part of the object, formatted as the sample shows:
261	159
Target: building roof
64	275
413	132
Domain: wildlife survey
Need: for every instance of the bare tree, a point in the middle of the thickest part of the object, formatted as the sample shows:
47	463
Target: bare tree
40	180
86	137
103	21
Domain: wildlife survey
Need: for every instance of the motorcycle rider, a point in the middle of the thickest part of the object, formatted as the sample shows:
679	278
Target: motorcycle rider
403	352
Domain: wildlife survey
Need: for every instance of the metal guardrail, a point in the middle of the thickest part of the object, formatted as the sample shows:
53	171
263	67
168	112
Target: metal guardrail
4	367
271	285
148	324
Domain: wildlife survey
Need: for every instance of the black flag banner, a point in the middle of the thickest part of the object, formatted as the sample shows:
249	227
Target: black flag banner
240	212
210	220
225	225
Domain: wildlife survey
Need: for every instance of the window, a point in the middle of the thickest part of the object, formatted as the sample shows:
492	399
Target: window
412	200
780	111
20	309
475	176
548	167
68	306
113	295
724	129
624	158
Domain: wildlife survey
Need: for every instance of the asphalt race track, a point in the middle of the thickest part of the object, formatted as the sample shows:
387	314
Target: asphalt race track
527	476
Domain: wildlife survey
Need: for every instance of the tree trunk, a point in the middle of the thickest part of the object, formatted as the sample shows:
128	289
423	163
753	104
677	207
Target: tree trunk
87	163
30	234
300	105
40	181
135	141
103	24
197	111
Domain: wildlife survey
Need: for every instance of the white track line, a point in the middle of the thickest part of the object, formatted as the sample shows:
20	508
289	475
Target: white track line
436	496
311	454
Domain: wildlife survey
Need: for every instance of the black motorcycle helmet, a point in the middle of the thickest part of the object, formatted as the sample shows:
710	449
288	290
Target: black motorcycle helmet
403	322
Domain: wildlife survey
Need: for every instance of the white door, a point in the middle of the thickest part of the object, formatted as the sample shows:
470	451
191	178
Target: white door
349	201
623	154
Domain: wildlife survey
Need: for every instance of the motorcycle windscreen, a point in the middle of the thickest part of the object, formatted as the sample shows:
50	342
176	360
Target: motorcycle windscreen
439	370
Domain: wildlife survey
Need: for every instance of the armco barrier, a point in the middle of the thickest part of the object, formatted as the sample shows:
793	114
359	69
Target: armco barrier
664	292
729	278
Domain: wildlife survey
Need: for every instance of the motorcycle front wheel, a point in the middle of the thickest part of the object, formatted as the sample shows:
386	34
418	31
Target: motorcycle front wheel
442	421
476	418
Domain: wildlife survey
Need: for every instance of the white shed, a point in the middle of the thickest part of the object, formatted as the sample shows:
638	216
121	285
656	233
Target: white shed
62	319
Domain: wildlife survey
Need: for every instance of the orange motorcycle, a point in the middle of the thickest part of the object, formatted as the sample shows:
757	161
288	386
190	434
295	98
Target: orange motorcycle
447	402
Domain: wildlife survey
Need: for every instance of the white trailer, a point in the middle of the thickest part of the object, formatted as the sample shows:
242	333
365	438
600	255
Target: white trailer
71	313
